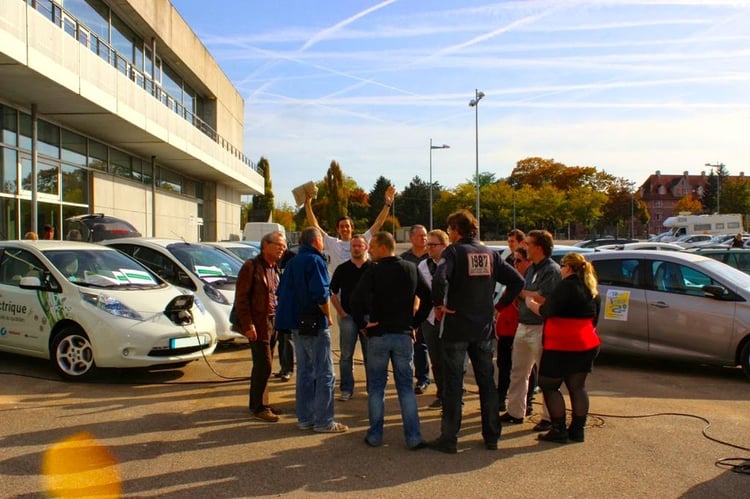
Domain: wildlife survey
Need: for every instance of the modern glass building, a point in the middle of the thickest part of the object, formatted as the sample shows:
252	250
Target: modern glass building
116	107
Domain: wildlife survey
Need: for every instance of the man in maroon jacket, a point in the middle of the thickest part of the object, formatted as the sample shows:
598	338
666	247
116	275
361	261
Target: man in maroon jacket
255	307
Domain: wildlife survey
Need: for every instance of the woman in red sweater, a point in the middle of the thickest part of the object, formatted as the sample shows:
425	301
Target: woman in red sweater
570	345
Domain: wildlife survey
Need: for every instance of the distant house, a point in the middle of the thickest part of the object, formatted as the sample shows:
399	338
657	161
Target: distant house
661	192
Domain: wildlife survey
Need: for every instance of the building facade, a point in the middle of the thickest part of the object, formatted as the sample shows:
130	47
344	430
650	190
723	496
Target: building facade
661	193
115	106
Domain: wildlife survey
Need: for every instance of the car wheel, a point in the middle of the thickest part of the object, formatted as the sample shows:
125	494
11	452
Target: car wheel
72	354
745	359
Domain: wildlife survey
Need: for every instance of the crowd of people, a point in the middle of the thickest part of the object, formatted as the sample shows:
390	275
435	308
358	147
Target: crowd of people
431	308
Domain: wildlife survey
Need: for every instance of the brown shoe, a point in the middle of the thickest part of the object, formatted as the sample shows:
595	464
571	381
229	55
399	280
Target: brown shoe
266	415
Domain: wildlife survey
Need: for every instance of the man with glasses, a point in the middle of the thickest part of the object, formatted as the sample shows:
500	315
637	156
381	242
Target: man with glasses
540	280
437	240
255	306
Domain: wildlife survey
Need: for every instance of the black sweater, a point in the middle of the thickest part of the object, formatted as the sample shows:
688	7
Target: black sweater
386	293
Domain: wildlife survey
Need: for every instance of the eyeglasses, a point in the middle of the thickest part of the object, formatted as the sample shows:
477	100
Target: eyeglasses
518	261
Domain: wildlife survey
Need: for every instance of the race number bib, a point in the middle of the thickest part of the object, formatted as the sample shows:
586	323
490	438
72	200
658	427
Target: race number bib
479	264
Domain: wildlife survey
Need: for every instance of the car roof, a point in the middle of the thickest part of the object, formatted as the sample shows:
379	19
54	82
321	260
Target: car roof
54	244
150	241
641	254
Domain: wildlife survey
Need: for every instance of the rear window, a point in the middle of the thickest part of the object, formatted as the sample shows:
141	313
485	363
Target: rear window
622	273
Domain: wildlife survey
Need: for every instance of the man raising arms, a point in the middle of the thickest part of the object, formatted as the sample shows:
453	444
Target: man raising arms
338	249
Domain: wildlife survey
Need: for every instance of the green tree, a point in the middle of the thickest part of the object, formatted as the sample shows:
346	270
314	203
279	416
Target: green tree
485	179
335	195
265	201
735	196
377	199
414	203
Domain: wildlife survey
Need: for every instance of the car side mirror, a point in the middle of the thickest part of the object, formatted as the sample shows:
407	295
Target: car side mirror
30	282
714	291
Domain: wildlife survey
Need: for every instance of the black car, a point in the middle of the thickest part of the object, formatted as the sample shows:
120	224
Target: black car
96	227
593	243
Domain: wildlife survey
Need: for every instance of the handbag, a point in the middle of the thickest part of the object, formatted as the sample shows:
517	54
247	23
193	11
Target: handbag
310	323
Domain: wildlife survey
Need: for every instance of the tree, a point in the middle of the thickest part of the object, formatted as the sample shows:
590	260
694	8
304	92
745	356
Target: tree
359	208
688	204
377	198
485	179
414	203
336	195
285	217
735	196
265	201
622	203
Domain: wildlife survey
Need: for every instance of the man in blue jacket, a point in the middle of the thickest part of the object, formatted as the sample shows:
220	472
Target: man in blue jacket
304	296
462	292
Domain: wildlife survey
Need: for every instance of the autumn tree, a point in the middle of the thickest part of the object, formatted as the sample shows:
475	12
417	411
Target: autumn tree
285	216
335	195
688	204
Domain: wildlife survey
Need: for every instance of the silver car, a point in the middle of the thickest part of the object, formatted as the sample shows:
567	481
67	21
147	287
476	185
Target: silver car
674	304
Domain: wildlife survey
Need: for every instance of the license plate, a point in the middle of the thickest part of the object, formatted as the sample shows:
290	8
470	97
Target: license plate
191	341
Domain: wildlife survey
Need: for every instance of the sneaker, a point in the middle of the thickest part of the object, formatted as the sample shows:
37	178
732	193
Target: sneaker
305	426
345	396
442	446
543	425
507	418
266	415
436	404
334	427
421	388
285	377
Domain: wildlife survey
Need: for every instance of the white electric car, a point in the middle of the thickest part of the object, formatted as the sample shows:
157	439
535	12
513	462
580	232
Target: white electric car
83	305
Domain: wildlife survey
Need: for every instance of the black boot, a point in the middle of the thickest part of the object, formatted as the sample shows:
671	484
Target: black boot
558	433
575	430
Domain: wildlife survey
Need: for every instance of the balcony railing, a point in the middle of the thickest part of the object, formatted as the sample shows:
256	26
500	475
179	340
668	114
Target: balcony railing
68	23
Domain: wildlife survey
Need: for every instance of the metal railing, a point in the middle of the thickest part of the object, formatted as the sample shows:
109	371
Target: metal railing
87	37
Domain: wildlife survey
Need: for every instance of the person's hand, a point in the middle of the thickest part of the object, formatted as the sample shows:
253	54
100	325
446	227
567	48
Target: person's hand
441	310
390	193
251	334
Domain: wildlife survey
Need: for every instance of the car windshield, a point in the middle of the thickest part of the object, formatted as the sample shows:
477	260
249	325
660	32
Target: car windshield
244	252
100	268
210	264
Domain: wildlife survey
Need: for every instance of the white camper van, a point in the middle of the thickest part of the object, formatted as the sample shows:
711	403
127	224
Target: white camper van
703	224
254	231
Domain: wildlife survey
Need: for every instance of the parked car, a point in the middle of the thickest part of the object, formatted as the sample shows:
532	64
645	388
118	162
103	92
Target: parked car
85	306
688	240
738	258
204	270
96	227
674	304
650	245
593	243
237	249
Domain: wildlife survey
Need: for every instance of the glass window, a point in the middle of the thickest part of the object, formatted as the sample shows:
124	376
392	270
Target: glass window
24	121
73	148
145	174
47	178
120	163
10	171
170	181
97	156
123	38
189	187
75	185
9	126
18	263
49	139
172	84
623	273
93	13
8	220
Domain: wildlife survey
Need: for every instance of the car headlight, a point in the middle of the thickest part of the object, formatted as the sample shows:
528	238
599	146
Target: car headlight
215	294
111	305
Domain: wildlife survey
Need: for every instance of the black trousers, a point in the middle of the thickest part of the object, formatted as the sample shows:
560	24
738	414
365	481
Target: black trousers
262	356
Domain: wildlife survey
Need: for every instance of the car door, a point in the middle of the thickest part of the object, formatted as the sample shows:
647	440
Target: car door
623	319
685	323
24	321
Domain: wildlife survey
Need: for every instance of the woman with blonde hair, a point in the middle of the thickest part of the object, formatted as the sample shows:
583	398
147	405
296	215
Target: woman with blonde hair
570	345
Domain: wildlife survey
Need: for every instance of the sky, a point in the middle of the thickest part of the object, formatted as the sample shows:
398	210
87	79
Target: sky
629	87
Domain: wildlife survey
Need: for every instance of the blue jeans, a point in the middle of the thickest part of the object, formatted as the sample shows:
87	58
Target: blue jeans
348	334
453	357
315	379
398	349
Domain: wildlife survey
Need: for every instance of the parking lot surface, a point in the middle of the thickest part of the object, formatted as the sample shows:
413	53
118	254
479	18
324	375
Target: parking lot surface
188	433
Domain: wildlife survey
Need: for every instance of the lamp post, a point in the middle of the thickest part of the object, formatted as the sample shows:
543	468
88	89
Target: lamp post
475	104
444	146
719	167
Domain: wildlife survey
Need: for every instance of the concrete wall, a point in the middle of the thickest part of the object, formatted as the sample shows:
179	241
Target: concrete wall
124	199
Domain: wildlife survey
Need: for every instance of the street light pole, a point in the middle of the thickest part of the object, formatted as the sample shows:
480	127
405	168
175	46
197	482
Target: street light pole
719	167
444	146
475	104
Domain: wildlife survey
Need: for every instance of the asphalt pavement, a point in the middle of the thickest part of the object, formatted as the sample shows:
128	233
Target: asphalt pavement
188	433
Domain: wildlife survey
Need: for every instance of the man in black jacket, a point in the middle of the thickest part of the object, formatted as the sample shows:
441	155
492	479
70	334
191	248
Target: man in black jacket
386	293
462	291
